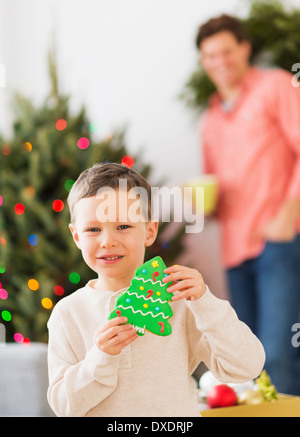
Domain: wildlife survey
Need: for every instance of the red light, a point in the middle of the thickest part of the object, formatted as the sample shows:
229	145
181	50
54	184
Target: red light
128	161
58	205
19	209
59	290
83	143
61	124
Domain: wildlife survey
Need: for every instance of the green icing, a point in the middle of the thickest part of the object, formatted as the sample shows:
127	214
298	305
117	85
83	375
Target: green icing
145	302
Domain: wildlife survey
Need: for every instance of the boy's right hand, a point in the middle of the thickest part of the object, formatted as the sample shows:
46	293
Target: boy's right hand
112	337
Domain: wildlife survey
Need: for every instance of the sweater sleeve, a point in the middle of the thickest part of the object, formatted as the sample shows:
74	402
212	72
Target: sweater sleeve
225	344
75	386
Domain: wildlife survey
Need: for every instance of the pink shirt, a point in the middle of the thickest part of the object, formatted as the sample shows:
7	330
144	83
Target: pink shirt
254	150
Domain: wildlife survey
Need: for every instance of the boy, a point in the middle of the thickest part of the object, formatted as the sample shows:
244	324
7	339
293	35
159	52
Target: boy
103	368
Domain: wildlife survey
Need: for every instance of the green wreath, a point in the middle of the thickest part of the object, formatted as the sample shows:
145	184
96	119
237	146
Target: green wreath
274	34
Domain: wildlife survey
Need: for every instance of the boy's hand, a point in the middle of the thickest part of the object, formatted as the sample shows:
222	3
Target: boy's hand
187	281
115	335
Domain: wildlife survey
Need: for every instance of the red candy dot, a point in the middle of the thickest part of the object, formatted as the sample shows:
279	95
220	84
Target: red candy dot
83	143
19	209
128	161
61	124
58	205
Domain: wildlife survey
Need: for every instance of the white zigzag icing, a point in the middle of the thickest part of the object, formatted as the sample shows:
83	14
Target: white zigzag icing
152	282
146	298
143	314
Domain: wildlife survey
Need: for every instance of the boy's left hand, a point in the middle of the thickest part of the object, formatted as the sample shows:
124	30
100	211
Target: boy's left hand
187	281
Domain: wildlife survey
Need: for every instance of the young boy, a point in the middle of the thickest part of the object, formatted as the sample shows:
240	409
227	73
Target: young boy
103	368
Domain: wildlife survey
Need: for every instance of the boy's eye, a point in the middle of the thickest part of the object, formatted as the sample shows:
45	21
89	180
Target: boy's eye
93	230
124	227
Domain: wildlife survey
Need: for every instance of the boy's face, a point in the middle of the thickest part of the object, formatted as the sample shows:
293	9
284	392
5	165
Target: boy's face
112	243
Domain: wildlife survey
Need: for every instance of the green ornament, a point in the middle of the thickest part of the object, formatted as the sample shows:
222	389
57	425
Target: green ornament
145	302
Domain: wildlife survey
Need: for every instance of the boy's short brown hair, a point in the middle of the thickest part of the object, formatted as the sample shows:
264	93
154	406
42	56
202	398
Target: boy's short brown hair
105	175
219	24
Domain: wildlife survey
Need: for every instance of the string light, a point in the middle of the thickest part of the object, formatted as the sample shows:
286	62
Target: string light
47	303
19	209
18	337
6	149
3	294
61	124
58	205
33	284
128	161
6	316
59	290
68	184
83	143
27	146
74	277
2	267
33	240
94	127
29	192
1	200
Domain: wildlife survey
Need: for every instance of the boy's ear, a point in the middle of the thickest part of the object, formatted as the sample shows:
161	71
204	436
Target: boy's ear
74	235
151	233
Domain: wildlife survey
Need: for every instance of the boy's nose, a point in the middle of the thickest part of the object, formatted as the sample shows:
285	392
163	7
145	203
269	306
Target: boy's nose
108	240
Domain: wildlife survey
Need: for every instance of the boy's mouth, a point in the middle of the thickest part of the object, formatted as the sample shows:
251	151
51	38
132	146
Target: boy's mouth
111	258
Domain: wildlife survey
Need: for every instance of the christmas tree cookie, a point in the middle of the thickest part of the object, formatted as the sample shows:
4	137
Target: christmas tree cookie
145	302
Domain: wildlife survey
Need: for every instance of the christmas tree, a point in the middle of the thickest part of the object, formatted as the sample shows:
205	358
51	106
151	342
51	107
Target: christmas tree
39	262
145	302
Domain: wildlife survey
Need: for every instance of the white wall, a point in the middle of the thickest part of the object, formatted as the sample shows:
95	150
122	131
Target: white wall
126	60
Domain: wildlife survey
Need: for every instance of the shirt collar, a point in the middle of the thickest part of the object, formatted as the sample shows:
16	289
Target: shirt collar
246	83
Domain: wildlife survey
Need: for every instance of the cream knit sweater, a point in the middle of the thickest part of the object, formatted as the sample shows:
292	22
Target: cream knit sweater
152	376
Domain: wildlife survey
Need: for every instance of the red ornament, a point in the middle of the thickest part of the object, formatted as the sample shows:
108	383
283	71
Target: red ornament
128	161
58	205
19	209
221	396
